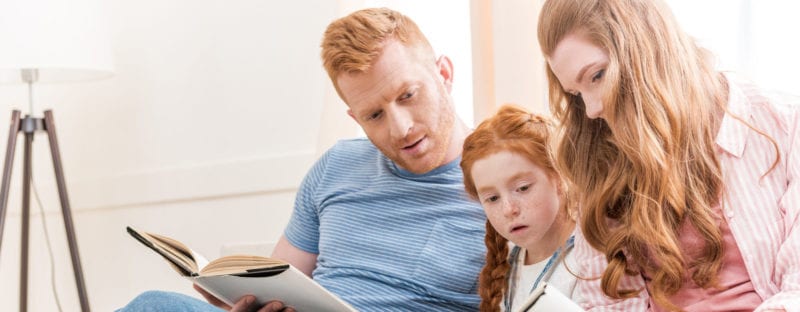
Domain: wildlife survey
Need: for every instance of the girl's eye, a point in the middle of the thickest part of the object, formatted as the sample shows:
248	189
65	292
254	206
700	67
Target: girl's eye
598	75
524	188
492	199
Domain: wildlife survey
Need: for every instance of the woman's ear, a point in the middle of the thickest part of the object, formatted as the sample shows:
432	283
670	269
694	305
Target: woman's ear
566	202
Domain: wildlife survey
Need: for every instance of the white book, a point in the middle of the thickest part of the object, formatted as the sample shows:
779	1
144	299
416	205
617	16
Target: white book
546	298
231	277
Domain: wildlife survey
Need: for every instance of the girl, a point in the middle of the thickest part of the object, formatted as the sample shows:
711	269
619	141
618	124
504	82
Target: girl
689	179
508	168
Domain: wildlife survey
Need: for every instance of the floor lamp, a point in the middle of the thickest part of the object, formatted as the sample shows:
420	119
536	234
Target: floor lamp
47	41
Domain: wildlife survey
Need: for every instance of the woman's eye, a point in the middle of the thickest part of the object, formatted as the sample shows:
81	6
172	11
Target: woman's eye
375	115
598	75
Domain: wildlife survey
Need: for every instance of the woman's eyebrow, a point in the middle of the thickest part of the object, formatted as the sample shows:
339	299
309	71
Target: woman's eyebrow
583	70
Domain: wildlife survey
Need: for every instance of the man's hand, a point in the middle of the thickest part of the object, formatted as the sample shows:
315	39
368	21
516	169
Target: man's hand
244	304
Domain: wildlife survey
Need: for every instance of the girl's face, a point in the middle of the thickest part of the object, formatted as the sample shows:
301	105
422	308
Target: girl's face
521	200
580	67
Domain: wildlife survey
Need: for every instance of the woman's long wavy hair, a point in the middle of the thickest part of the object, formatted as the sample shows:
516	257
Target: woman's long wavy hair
516	130
650	165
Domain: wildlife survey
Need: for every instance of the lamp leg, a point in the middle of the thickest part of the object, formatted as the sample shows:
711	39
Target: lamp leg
9	164
15	128
26	221
49	126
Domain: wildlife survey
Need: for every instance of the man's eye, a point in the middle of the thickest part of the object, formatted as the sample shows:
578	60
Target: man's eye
406	96
598	75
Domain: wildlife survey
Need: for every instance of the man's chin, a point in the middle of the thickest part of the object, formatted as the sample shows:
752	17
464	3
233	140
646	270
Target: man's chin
421	164
417	167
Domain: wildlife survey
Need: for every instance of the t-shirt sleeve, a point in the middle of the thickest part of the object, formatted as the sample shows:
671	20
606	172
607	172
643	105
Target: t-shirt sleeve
303	228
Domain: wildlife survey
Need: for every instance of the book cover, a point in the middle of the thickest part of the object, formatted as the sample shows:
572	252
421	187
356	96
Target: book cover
545	298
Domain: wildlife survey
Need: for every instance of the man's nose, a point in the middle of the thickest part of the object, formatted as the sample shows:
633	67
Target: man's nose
401	123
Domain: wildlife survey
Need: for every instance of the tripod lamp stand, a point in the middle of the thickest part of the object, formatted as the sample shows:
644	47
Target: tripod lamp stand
47	41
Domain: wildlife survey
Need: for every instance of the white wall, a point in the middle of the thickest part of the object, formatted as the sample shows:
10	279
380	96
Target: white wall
446	24
747	37
507	63
211	120
519	65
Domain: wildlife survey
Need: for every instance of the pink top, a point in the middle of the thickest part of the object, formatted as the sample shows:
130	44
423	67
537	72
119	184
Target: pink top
763	215
735	291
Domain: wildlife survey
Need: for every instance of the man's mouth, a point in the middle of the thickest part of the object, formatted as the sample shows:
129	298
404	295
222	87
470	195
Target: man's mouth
413	145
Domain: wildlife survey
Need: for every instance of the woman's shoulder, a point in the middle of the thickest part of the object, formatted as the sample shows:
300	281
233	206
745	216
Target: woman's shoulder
772	107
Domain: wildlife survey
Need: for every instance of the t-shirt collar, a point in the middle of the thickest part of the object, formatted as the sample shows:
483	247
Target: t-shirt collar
436	171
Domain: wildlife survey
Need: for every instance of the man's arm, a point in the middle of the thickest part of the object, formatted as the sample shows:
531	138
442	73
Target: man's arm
304	261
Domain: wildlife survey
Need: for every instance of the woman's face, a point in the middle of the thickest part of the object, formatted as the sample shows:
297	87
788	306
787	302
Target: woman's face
520	199
580	67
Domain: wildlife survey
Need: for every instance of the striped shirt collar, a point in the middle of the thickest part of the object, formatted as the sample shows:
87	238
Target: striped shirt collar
443	169
732	135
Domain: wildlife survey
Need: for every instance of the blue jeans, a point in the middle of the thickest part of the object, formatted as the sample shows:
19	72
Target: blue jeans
162	301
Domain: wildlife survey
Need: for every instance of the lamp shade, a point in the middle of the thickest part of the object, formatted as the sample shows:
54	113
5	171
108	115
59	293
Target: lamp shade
64	40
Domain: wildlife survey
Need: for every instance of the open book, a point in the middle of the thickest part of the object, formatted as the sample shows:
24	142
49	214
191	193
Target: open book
545	298
231	277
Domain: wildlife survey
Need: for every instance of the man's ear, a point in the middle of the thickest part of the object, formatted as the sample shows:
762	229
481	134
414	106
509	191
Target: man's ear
445	68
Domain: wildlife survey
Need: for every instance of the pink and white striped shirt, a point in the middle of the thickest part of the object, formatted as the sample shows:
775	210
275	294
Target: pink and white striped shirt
763	214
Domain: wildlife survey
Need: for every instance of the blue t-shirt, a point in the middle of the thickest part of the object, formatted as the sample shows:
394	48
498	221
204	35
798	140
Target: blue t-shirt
388	239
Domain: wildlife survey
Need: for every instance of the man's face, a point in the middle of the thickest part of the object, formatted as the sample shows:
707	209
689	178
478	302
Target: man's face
403	104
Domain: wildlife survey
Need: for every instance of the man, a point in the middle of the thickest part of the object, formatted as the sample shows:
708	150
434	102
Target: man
384	223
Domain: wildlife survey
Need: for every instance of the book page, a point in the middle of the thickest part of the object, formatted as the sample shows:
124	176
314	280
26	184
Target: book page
236	264
229	278
176	248
180	261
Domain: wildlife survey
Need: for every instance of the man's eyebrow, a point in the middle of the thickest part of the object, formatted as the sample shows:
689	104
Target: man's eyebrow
583	70
397	92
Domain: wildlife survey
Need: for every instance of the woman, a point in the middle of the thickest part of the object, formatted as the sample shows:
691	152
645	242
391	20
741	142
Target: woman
688	178
508	168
